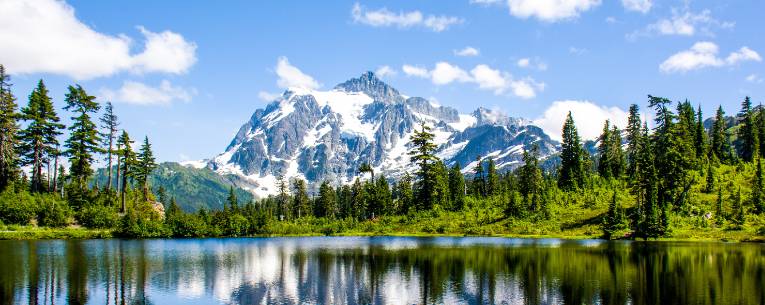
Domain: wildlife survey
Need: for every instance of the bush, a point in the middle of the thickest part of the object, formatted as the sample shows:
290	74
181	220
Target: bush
140	225
187	225
53	213
96	216
17	208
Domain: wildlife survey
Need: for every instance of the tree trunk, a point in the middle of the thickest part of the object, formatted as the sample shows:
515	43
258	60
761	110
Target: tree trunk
109	177
55	174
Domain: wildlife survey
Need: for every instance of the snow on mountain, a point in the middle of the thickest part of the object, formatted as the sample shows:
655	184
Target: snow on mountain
325	135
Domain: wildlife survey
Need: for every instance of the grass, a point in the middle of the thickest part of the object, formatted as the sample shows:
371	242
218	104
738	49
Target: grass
34	232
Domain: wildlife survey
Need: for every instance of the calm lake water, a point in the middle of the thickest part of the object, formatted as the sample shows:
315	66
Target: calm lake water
379	270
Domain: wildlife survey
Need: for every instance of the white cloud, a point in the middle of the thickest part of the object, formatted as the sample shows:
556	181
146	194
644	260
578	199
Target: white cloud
45	36
588	117
754	78
268	96
410	70
138	93
534	63
385	71
487	78
385	18
486	2
291	76
704	54
577	51
642	6
683	23
550	10
467	51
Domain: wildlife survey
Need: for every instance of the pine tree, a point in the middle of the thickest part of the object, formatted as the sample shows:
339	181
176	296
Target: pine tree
671	157
282	198
614	219
441	193
326	201
719	212
604	151
530	177
710	187
145	166
700	138
38	139
457	187
479	181
748	142
109	123
232	203
384	197
404	194
758	202
9	128
738	209
84	139
423	154
633	138
300	201
761	129
492	179
128	163
720	146
366	168
571	174
616	154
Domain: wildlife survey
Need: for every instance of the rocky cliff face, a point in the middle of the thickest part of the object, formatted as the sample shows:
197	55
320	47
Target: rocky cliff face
325	135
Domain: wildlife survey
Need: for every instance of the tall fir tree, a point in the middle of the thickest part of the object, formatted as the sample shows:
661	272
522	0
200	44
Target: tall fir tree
604	151
109	123
39	139
748	141
127	158
492	179
457	187
84	139
738	209
404	194
758	198
571	173
300	201
326	202
145	166
761	129
530	177
720	148
700	138
633	139
9	128
616	153
479	180
423	154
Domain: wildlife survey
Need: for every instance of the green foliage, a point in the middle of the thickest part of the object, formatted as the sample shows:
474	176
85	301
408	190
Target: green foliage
141	224
84	138
53	212
9	127
17	207
97	216
39	139
572	170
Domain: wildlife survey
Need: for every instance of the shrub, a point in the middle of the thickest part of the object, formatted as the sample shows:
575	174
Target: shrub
96	216
17	208
187	225
53	213
135	224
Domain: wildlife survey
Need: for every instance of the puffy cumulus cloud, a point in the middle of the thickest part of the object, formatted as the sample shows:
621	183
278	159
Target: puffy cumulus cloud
642	6
138	93
291	76
532	63
588	117
385	71
683	23
467	51
45	36
705	54
385	18
550	10
415	71
486	77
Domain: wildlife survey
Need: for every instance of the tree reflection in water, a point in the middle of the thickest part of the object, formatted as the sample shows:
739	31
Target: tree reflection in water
379	270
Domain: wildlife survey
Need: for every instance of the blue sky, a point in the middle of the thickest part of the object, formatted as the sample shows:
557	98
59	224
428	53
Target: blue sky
188	74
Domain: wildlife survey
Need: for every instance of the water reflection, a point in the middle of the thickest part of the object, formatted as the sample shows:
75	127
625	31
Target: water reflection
379	270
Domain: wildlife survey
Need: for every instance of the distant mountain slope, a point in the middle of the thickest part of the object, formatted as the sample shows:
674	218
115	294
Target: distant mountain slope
192	187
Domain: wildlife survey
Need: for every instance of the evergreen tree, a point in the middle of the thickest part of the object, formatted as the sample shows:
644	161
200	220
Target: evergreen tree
83	141
720	144
38	139
634	134
282	198
604	151
616	154
761	129
671	158
145	165
441	193
530	177
404	194
457	187
366	168
747	133
479	181
300	201
384	197
9	128
109	123
614	219
571	174
700	139
492	179
232	203
423	154
738	209
710	187
128	163
326	201
359	200
758	202
719	212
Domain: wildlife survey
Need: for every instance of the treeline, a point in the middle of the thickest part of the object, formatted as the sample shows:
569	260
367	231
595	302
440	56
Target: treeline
36	187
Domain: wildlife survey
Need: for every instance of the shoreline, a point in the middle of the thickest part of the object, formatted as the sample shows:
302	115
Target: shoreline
40	233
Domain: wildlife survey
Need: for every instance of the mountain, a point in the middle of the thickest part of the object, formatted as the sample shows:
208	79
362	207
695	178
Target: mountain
193	186
325	135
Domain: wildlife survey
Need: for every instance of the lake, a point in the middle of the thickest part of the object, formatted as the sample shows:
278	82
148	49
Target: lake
379	270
